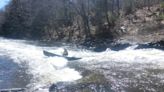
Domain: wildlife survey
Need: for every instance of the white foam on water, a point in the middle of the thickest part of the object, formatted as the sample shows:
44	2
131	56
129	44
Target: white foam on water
128	68
129	55
47	70
44	70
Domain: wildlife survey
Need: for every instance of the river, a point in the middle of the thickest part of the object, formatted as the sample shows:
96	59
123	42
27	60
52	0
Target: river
23	65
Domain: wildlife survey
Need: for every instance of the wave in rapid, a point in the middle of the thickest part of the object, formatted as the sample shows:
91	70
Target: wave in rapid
43	70
128	55
127	70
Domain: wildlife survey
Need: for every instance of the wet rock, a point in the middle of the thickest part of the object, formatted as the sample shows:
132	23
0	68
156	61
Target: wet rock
92	82
88	87
119	46
100	48
98	45
157	45
102	45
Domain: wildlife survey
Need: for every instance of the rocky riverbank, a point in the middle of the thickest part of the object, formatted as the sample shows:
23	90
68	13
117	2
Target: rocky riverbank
143	26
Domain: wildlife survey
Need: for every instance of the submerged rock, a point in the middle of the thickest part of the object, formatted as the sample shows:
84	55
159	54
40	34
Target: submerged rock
157	45
90	83
85	87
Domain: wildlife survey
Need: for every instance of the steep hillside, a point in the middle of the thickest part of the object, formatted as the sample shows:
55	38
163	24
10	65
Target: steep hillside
144	25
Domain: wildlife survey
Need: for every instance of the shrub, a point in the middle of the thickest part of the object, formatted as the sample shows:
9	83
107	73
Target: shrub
162	5
161	16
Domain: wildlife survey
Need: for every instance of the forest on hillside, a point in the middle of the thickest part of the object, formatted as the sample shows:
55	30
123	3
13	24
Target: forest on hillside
66	20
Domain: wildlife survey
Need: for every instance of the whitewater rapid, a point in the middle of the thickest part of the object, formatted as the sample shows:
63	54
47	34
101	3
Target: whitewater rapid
128	70
44	71
128	55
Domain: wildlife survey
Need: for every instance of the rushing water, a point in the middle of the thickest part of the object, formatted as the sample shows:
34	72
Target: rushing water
27	61
23	64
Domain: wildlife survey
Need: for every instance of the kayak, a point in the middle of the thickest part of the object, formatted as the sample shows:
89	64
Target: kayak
50	54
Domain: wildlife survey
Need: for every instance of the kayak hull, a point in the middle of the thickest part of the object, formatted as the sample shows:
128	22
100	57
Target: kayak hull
49	54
